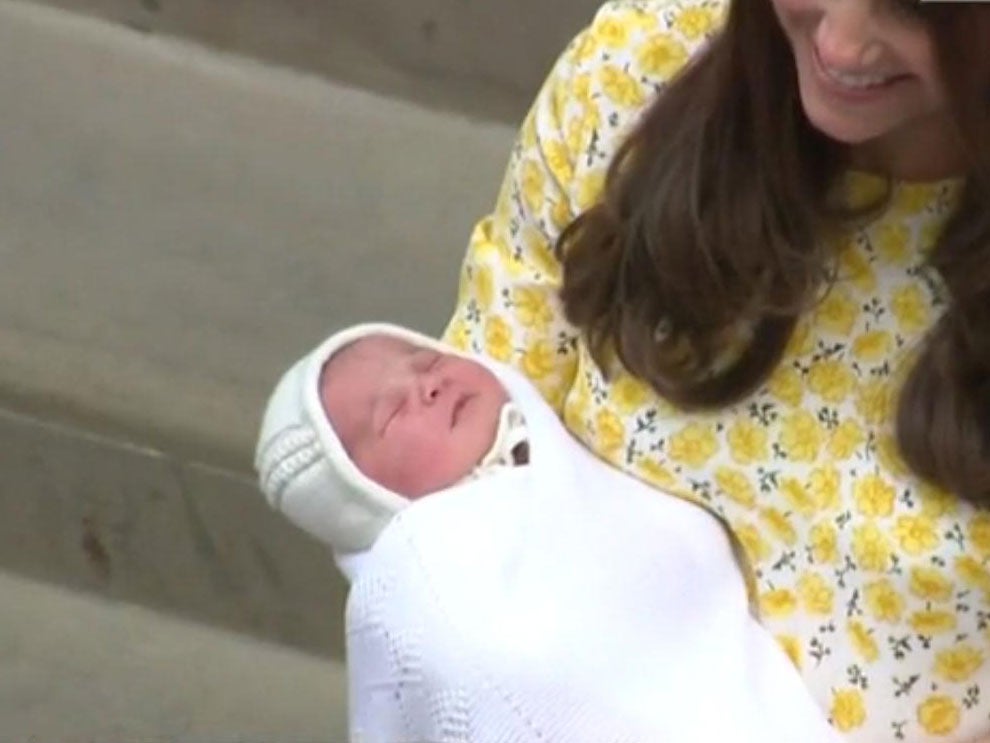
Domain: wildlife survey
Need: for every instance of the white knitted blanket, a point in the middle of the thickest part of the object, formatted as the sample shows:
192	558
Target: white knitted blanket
563	601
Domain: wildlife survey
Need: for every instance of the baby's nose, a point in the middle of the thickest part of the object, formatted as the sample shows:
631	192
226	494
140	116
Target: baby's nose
430	387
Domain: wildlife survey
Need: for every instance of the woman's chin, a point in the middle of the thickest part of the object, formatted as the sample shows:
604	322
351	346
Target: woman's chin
841	129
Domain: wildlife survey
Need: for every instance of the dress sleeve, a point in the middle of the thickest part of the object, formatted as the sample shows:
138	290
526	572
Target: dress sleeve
508	306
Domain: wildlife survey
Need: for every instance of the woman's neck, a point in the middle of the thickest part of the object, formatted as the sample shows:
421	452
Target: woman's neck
926	150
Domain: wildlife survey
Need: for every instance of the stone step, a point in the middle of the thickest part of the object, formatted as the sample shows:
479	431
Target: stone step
484	59
82	670
176	225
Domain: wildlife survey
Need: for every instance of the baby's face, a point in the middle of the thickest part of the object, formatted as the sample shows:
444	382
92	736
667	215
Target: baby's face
412	419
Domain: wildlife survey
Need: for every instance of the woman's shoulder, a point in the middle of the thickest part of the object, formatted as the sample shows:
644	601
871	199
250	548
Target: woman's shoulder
654	38
608	77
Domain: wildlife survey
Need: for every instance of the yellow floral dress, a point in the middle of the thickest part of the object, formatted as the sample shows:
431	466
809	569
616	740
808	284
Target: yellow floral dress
876	585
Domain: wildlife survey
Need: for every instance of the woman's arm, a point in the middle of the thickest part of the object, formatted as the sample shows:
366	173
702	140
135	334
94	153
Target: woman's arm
507	305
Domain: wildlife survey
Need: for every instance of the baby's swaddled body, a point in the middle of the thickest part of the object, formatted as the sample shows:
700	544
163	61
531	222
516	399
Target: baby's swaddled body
563	601
497	601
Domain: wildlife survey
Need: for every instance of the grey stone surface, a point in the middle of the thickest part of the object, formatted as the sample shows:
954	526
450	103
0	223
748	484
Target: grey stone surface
176	226
76	669
130	523
482	57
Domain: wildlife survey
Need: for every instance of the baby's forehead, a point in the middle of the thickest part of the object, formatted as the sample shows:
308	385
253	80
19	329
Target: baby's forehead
363	357
371	348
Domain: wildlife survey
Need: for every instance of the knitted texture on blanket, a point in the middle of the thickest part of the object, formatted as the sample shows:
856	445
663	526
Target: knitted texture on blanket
563	601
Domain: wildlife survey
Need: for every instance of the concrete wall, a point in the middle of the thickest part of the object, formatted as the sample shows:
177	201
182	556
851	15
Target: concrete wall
177	224
481	57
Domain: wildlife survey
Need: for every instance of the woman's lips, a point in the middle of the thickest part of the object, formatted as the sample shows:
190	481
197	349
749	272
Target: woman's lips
855	94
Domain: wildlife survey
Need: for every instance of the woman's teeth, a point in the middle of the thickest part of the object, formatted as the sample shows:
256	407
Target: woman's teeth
858	82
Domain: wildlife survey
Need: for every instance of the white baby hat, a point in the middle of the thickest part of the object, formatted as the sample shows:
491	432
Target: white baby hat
302	467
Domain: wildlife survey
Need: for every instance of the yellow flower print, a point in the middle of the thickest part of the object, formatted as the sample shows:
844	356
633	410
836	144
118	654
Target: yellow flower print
555	394
846	439
779	526
611	432
694	23
873	346
558	160
837	313
612	33
933	622
848	710
736	485
930	584
791	646
484	289
778	603
801	436
797	496
753	543
655	473
824	541
973	574
909	307
824	486
458	333
856	268
533	184
662	55
916	534
540	255
575	135
621	87
816	595
561	216
979	533
498	338
830	380
586	47
747	442
628	394
862	641
693	445
863	189
871	548
590	189
531	307
538	361
936	502
786	386
873	401
958	664
800	343
883	601
939	715
589	122
912	198
874	496
640	19
892	240
581	89
889	455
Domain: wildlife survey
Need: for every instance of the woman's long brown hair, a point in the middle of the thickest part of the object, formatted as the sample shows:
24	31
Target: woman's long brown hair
713	227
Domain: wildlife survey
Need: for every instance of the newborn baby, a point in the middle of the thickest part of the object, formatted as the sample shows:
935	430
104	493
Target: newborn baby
561	600
375	417
417	420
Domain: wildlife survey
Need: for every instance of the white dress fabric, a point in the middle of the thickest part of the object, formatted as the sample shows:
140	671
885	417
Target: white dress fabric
562	601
